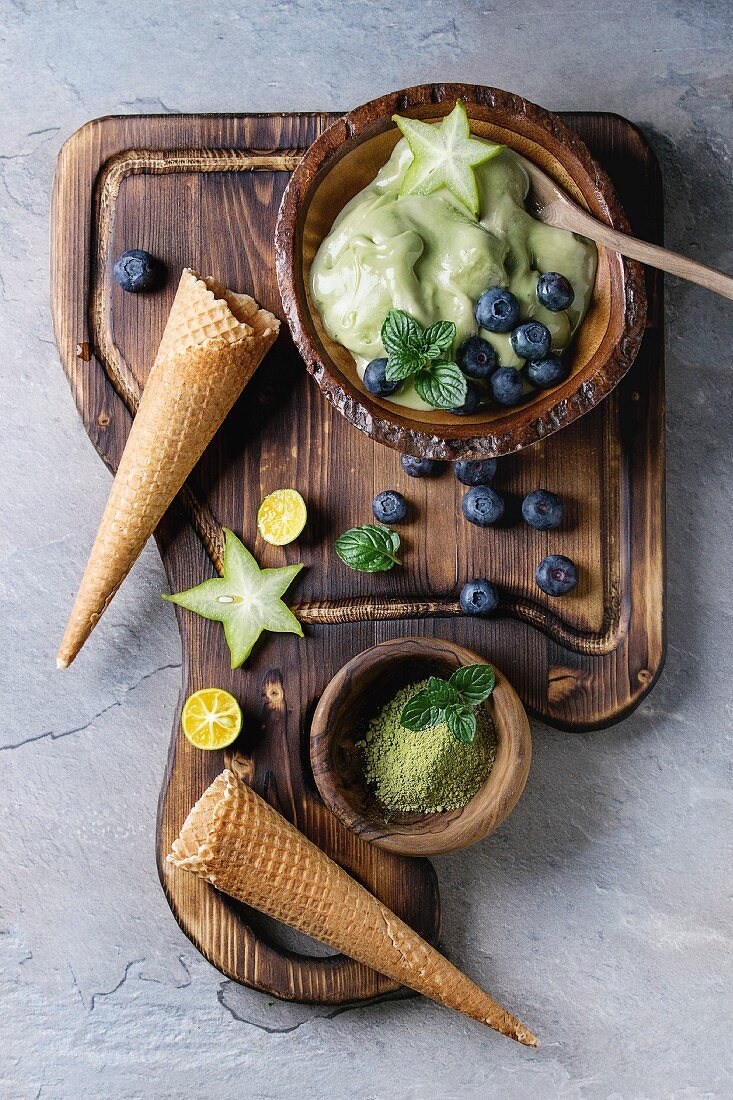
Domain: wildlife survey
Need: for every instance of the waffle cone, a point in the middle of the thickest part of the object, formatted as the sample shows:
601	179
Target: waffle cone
243	847
213	342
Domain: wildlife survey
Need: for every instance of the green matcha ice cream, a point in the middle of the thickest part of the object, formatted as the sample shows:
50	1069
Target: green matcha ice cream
429	256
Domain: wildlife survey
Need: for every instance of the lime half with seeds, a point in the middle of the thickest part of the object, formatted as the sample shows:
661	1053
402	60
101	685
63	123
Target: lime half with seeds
281	517
211	718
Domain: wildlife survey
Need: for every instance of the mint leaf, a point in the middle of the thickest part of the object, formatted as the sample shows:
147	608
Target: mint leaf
404	341
474	683
441	692
441	385
419	712
401	333
439	338
401	364
368	549
461	721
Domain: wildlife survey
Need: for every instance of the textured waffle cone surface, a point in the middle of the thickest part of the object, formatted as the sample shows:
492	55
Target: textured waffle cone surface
213	342
242	846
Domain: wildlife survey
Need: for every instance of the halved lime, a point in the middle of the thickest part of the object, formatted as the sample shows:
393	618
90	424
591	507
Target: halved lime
211	718
281	517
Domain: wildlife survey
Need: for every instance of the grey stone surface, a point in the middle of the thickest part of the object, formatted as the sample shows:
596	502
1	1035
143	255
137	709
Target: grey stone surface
601	909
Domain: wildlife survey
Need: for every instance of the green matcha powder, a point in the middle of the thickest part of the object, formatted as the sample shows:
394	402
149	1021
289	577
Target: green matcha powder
426	771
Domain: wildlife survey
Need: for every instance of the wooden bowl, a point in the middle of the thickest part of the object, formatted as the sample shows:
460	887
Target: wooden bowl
344	159
356	694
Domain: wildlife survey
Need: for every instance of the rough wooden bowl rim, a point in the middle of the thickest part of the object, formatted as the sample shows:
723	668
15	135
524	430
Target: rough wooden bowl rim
549	410
451	830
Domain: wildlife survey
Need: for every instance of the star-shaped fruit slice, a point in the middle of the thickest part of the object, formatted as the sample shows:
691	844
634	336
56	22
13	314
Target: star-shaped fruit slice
246	600
444	155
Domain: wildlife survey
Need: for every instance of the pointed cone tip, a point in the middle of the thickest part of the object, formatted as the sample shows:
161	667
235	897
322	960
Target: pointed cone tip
524	1036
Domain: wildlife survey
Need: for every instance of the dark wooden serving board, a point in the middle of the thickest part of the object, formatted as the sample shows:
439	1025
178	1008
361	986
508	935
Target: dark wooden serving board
203	191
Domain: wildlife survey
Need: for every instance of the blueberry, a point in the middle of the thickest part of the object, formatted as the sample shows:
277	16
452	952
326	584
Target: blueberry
482	506
556	575
506	386
531	340
497	310
476	358
375	379
472	402
479	597
546	372
419	467
554	291
137	270
542	510
479	472
389	507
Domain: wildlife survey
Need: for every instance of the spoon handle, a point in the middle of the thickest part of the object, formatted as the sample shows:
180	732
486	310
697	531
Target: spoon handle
652	254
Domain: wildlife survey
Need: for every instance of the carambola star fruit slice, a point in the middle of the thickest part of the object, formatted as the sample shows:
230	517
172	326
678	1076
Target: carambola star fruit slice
444	155
246	600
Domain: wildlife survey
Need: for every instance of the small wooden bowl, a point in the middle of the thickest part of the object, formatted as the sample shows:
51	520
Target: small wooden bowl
344	159
356	694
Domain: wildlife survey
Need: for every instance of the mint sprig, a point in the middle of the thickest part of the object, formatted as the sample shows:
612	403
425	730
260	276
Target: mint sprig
450	701
422	354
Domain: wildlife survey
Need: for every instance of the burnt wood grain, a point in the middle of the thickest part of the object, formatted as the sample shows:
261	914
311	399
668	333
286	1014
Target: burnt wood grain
203	190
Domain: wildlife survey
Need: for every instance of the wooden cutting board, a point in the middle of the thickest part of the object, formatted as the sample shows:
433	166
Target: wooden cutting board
203	191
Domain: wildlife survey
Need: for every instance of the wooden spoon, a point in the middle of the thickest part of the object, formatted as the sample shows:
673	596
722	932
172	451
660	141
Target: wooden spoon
553	207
